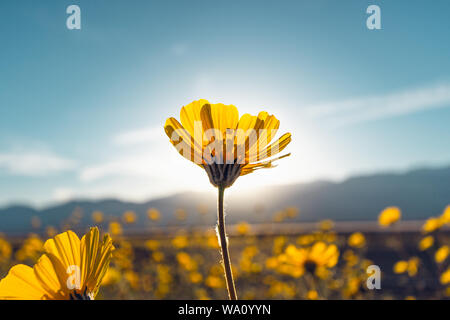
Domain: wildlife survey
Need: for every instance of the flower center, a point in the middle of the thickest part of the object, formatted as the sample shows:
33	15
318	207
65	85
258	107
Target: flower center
310	266
78	295
223	175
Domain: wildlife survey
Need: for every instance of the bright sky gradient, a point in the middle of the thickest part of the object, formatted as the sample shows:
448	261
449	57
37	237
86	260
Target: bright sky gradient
82	111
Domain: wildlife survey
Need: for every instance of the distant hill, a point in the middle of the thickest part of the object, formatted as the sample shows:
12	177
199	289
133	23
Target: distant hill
419	193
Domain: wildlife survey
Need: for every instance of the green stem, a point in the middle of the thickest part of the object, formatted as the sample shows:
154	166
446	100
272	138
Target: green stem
224	245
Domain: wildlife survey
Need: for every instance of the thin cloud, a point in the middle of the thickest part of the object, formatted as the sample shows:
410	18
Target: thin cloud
34	163
351	111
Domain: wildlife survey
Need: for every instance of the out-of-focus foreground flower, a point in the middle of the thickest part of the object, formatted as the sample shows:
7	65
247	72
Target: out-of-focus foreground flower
69	269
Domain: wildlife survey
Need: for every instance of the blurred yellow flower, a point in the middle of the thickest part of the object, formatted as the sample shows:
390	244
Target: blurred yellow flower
31	249
97	216
410	266
195	277
312	295
212	241
350	257
204	126
305	240
112	276
326	225
357	240
5	251
214	282
243	228
153	214
69	269
129	217
432	224
186	262
292	212
152	245
389	216
445	277
426	242
401	266
132	279
441	254
115	228
180	242
445	217
158	256
315	259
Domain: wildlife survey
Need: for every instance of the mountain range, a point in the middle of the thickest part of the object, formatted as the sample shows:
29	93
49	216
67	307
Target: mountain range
420	193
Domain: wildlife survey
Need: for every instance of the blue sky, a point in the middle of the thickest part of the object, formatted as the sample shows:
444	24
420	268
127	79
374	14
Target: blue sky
81	111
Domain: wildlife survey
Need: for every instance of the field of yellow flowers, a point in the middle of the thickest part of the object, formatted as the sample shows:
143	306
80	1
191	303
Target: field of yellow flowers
319	264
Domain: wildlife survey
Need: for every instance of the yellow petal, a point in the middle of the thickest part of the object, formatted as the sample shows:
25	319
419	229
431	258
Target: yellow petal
249	168
21	284
275	147
96	256
52	275
185	145
219	116
66	248
191	113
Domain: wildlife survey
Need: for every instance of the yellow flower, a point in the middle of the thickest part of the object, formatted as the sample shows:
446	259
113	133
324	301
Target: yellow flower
243	228
356	240
426	243
292	212
312	295
213	137
153	214
31	249
326	225
180	242
432	224
152	244
315	259
441	254
445	277
69	269
389	216
411	266
401	266
5	250
97	216
214	282
158	256
129	217
132	279
115	228
212	241
195	277
112	276
186	261
445	217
